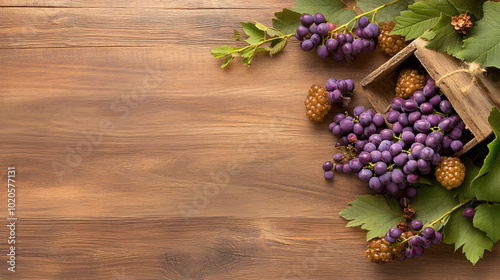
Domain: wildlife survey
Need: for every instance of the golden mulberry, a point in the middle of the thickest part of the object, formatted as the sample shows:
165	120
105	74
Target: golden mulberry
390	44
409	81
381	251
317	104
450	172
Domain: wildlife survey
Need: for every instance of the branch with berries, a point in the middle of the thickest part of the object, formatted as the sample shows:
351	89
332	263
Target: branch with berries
340	33
463	29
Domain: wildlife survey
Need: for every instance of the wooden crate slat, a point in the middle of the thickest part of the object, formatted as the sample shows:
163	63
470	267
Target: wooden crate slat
390	65
473	106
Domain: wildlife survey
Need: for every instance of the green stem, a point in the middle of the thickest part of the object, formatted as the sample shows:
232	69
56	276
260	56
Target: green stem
351	152
391	166
438	113
284	37
449	212
436	128
374	11
373	16
369	166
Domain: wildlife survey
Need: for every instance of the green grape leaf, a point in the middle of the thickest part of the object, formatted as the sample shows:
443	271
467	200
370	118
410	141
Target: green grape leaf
263	49
227	60
334	10
221	52
459	230
248	55
428	35
374	213
274	33
278	47
443	37
236	36
483	44
487	187
261	26
487	219
431	202
487	183
464	191
274	43
426	180
255	35
287	22
422	16
474	8
494	120
247	60
248	52
386	13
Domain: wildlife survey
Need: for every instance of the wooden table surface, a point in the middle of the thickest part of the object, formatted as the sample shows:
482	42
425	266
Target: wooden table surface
137	157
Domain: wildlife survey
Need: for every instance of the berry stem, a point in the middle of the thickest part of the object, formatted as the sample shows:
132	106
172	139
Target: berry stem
449	212
391	166
369	166
406	240
439	113
374	11
373	16
351	151
284	37
436	128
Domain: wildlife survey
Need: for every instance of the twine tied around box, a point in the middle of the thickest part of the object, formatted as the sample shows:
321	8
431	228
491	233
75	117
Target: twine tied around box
474	69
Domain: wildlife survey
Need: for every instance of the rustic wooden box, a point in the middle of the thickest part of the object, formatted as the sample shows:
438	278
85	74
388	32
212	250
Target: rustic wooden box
473	107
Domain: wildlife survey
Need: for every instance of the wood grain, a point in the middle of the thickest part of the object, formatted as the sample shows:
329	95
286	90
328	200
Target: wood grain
179	129
111	27
218	248
139	158
173	4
